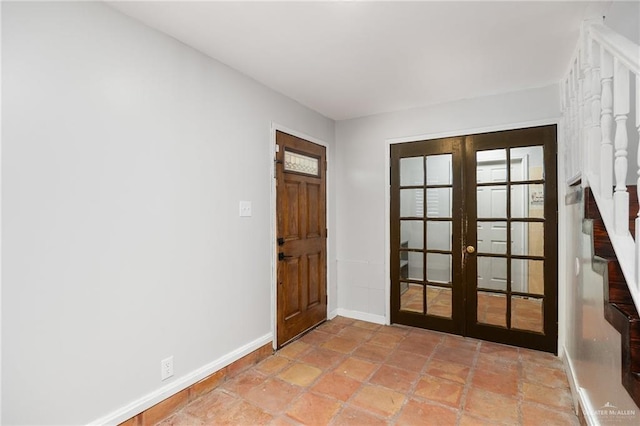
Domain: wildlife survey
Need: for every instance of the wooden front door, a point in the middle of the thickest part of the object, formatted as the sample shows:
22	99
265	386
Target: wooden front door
301	236
474	236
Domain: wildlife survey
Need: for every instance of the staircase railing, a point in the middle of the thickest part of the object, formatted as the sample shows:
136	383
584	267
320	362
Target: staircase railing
595	94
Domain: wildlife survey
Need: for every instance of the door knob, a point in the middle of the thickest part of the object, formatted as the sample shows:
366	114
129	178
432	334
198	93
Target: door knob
282	256
471	249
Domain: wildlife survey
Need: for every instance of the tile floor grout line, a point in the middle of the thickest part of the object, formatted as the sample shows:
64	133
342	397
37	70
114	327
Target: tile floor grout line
520	388
346	356
467	384
308	389
358	390
367	380
412	389
407	396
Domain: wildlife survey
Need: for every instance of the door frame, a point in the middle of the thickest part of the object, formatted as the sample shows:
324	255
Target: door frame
466	132
273	218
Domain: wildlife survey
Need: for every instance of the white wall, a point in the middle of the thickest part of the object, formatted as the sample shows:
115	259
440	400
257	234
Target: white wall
125	154
624	17
362	173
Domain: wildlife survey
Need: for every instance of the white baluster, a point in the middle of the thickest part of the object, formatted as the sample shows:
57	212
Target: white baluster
638	126
580	134
575	121
585	112
570	93
569	118
569	126
595	133
638	184
606	124
564	109
620	111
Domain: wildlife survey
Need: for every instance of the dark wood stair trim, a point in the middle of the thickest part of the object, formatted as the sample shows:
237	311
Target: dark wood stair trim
619	309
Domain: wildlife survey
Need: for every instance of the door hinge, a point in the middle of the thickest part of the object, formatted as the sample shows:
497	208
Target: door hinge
326	233
275	166
326	167
326	299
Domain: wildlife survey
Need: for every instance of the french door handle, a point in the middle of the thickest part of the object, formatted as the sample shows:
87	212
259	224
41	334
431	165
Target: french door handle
471	249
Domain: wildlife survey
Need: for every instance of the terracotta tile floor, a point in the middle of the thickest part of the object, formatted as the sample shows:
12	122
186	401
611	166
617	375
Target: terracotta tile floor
349	372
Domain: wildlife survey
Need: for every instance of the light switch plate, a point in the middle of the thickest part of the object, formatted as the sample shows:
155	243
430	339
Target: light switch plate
245	208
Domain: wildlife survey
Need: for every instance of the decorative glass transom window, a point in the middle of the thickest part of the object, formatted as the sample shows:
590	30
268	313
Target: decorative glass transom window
299	163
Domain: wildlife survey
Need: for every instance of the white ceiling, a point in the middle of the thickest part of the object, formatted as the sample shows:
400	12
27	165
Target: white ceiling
348	59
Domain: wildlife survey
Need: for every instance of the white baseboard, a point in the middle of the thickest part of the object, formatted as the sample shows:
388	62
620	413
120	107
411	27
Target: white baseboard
363	316
136	407
571	376
331	315
587	409
578	393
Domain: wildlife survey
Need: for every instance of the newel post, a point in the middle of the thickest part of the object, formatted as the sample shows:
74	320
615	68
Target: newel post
620	111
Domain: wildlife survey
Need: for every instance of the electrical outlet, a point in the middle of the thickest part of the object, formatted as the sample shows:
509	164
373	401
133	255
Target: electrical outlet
166	368
245	208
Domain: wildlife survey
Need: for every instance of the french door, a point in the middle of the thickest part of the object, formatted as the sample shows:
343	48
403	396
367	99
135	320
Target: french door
474	236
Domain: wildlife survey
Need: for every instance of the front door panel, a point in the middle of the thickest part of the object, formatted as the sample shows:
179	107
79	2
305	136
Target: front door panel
302	267
473	242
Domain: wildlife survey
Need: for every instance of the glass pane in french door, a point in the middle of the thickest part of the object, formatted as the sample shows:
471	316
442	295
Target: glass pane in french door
512	274
422	233
438	277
